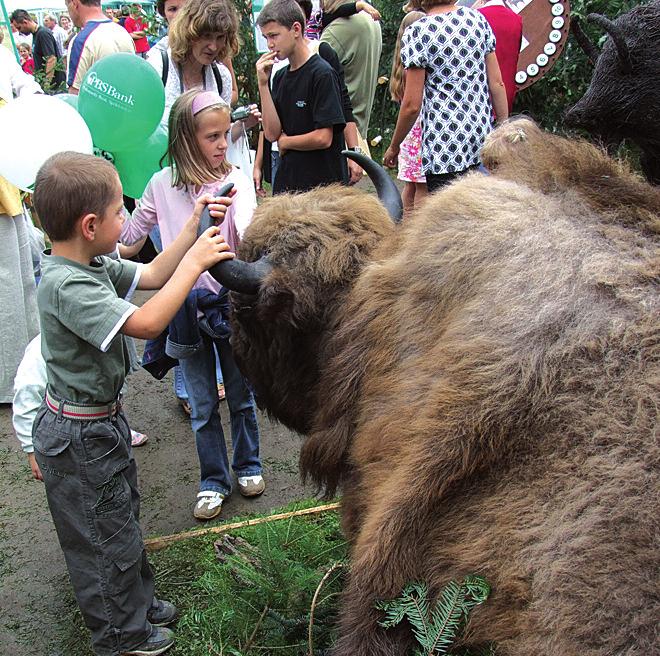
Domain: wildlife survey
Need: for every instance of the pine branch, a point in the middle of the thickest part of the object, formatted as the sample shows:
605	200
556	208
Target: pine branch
438	628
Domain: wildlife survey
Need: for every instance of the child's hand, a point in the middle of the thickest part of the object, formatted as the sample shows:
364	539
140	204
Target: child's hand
209	249
218	207
253	119
264	67
360	5
391	157
36	472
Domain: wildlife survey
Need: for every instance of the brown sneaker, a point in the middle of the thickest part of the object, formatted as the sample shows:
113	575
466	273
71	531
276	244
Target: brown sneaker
251	486
209	504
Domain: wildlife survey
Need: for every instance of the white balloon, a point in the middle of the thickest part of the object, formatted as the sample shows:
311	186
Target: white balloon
32	128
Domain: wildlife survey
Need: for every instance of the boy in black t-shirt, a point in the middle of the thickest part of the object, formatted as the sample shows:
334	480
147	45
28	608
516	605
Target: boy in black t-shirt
304	114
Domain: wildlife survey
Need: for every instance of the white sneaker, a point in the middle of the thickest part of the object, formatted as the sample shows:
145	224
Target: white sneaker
251	486
209	504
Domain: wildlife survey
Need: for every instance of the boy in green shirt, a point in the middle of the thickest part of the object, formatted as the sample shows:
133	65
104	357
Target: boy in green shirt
81	439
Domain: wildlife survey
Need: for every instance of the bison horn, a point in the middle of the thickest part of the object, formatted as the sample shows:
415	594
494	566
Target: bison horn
387	192
236	275
616	36
587	45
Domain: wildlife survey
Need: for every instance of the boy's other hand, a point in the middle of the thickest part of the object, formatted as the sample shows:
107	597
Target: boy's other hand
264	67
209	249
36	472
257	178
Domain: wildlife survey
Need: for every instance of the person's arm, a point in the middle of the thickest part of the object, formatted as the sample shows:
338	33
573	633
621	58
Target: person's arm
143	219
234	84
411	105
257	168
496	88
349	9
178	267
127	252
270	119
318	139
29	390
51	62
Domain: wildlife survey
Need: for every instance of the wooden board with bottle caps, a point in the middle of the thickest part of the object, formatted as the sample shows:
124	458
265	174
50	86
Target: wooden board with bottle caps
545	32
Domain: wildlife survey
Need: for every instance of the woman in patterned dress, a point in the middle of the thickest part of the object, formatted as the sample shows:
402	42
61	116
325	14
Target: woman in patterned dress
451	67
410	157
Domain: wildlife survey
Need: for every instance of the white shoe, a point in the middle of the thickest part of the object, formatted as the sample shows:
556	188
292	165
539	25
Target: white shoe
251	486
209	504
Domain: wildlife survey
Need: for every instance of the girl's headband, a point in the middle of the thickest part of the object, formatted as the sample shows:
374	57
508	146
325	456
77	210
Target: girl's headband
204	100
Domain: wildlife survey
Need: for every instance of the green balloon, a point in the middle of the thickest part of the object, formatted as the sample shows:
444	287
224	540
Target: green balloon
122	101
136	165
69	99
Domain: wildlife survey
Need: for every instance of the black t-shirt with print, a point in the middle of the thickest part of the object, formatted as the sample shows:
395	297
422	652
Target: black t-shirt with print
43	46
308	99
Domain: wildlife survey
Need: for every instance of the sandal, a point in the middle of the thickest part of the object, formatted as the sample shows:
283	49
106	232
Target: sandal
185	406
138	439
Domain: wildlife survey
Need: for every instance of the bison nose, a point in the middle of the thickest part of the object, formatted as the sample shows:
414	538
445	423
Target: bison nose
580	116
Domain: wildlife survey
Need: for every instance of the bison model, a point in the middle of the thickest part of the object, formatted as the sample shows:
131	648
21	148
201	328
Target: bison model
623	99
482	384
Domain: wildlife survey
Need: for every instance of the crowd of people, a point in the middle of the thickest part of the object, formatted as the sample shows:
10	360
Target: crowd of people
451	75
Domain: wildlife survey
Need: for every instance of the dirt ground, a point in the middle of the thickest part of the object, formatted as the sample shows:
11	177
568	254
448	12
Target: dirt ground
35	597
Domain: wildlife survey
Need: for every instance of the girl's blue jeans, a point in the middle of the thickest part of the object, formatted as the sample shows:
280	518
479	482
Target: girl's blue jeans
199	372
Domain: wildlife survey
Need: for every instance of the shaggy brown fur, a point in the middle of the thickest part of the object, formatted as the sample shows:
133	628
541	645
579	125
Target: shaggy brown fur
318	248
487	397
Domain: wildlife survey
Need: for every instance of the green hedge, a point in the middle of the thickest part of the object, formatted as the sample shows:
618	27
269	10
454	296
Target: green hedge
546	100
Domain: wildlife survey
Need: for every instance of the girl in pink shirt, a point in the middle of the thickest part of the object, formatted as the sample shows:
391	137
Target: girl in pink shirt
198	127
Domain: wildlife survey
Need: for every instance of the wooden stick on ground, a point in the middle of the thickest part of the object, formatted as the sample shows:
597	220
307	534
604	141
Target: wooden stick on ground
154	544
326	576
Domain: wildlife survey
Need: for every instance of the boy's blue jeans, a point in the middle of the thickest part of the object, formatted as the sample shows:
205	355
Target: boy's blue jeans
200	375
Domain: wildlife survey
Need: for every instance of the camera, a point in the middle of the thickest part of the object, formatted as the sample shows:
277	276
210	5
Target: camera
240	113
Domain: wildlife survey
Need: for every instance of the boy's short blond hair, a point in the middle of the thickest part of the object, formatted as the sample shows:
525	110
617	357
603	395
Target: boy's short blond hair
70	185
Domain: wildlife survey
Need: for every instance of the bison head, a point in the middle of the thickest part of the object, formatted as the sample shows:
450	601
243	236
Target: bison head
623	98
296	263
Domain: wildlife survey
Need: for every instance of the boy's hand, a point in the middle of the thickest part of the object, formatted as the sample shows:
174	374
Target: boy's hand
264	67
218	207
209	249
36	472
282	144
257	178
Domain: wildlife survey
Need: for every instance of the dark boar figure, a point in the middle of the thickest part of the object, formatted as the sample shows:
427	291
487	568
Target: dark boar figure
623	99
482	384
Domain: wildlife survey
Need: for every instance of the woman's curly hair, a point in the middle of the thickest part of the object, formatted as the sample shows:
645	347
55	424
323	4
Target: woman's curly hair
199	17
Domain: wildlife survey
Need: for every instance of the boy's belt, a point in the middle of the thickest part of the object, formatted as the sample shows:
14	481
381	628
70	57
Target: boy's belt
81	412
